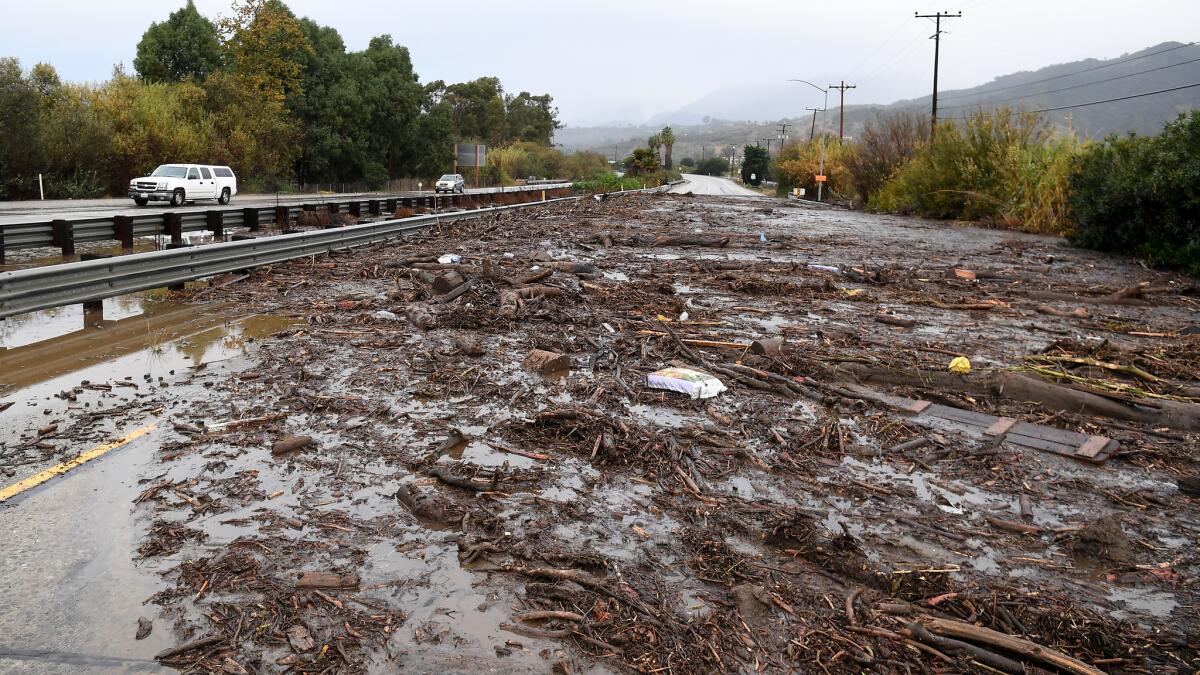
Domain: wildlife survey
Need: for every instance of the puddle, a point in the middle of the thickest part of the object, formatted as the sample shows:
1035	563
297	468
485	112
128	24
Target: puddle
663	417
25	258
138	335
1158	604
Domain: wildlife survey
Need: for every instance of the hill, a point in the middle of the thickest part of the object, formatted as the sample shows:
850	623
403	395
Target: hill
706	122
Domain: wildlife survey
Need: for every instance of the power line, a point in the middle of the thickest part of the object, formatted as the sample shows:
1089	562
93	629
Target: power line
877	49
895	61
1078	72
1077	86
1084	105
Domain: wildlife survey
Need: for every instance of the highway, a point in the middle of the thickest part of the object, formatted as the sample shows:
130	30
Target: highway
32	210
712	185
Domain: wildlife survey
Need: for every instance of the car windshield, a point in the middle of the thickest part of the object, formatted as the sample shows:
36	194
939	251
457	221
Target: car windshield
169	171
449	177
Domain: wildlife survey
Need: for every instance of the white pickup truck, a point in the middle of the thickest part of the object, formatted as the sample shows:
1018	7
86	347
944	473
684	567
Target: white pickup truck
179	183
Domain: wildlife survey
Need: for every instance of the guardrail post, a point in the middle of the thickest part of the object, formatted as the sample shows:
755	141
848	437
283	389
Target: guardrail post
62	234
333	208
281	217
250	218
216	223
373	207
355	209
1	244
391	206
173	226
93	310
123	230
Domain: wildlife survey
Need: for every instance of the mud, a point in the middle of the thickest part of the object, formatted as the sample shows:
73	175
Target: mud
477	517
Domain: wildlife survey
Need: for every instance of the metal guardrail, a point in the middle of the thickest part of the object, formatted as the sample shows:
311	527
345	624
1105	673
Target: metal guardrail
88	281
64	233
93	280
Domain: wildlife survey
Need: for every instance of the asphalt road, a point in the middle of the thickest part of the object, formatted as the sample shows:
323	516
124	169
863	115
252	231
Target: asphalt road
25	211
712	185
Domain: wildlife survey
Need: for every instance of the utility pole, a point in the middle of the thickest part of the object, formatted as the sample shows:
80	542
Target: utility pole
813	131
783	127
842	107
937	44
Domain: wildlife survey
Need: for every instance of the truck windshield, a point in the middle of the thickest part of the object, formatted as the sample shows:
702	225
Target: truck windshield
168	171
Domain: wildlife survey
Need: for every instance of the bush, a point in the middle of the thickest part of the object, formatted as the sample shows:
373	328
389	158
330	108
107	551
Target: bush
608	182
1142	195
885	145
642	162
1001	167
82	185
798	164
713	166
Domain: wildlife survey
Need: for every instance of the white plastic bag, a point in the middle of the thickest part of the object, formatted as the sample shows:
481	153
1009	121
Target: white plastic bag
685	380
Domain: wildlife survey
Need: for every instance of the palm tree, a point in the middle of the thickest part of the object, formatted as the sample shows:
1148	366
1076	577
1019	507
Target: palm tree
668	140
654	143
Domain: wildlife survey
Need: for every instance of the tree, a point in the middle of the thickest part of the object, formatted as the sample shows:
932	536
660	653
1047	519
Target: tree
393	98
264	44
654	143
687	163
643	162
433	143
334	121
754	164
667	136
477	109
19	118
186	45
531	118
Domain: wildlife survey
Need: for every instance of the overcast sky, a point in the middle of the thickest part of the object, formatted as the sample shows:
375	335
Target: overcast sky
626	60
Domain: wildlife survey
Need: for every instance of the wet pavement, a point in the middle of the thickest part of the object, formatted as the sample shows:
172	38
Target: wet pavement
462	514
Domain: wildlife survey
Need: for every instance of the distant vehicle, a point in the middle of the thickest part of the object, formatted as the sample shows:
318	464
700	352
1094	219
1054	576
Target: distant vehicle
451	182
179	183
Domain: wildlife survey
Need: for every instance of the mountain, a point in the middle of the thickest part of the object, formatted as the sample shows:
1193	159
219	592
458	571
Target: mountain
734	102
706	122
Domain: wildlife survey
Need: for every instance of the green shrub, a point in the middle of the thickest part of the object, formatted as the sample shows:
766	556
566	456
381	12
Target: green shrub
1002	168
1142	195
713	166
82	185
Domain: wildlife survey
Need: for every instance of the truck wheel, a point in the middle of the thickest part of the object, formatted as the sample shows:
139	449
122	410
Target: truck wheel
140	202
177	197
224	199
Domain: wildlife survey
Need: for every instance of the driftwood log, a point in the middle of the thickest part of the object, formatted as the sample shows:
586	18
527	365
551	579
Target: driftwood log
1019	387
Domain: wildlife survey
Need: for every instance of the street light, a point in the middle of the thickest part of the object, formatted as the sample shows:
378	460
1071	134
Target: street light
824	106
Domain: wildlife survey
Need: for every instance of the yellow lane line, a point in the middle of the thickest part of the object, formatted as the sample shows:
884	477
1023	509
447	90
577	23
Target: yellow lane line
58	470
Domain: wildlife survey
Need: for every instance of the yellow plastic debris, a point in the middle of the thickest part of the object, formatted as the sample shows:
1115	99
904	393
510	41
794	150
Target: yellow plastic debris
960	365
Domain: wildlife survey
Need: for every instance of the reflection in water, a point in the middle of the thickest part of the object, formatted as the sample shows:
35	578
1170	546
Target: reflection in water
42	345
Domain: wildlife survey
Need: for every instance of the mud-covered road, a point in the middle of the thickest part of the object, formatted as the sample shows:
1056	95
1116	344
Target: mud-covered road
353	464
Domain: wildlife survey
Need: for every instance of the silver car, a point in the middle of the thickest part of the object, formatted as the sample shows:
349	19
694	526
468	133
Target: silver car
451	182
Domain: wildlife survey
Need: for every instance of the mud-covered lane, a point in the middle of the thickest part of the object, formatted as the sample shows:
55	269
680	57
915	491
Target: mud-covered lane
390	481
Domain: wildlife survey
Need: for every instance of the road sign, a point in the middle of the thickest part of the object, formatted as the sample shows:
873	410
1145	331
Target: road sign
822	179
